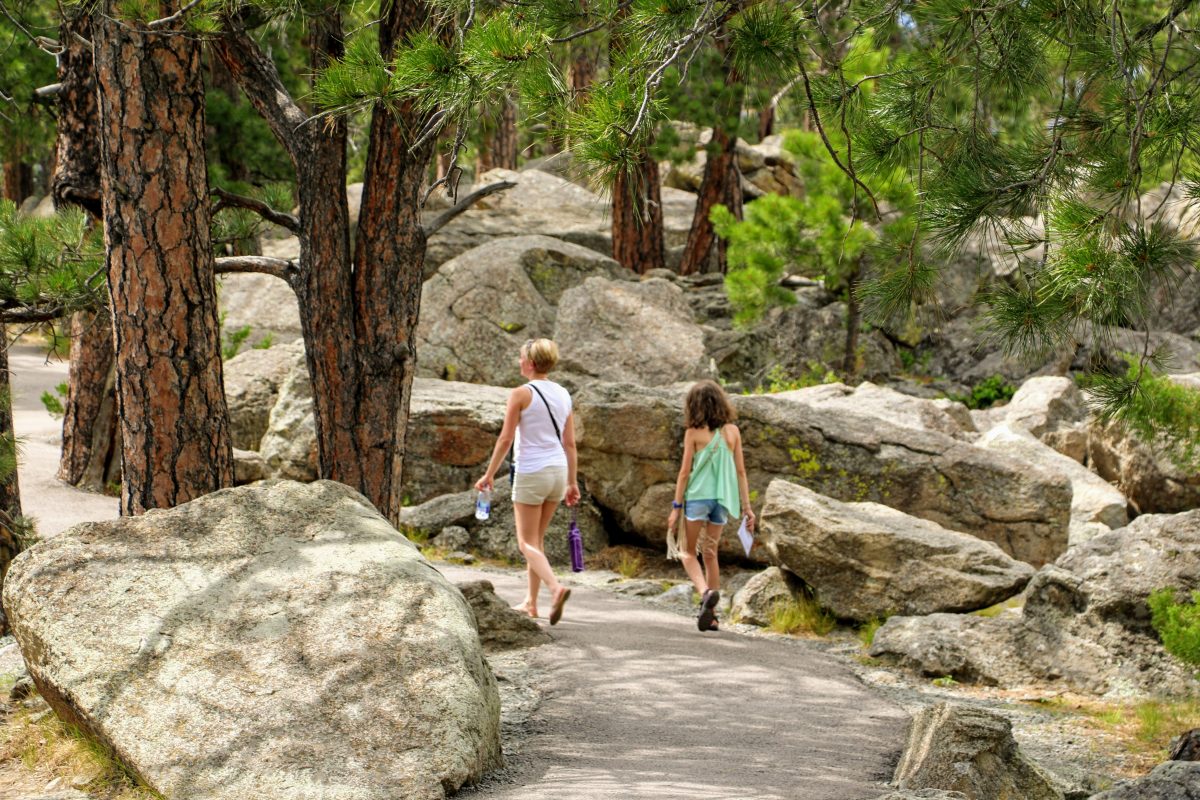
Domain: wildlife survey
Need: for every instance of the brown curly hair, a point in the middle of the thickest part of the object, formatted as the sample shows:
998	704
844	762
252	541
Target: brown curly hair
707	406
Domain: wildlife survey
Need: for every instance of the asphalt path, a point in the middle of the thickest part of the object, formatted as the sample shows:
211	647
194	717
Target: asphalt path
641	705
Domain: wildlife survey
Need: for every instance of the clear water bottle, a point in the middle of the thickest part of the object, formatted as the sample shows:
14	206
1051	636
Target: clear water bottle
483	504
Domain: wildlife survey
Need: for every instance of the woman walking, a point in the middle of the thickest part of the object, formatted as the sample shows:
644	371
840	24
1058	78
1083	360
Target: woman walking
710	489
539	416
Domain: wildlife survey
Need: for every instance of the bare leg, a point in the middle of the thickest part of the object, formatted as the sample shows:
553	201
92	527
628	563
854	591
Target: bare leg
691	565
528	519
537	540
710	542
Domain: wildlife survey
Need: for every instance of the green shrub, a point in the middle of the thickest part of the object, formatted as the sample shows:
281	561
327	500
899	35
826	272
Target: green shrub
778	379
987	393
1177	624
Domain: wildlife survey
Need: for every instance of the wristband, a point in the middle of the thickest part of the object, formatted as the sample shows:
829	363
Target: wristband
676	505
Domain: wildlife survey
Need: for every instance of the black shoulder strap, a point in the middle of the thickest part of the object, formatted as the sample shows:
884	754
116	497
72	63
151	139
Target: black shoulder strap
557	432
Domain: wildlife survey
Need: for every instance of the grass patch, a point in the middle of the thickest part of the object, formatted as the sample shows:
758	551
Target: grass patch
48	748
802	615
946	681
999	608
866	633
629	564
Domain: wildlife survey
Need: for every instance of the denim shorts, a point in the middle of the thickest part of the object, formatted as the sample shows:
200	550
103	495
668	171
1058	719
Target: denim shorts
709	510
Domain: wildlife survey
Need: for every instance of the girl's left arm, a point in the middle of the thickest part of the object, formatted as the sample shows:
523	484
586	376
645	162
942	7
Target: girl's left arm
743	482
685	471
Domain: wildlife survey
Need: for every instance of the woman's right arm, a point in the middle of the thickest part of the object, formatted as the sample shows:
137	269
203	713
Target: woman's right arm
685	471
512	415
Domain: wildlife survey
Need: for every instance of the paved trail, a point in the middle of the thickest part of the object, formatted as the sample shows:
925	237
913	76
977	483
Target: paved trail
641	705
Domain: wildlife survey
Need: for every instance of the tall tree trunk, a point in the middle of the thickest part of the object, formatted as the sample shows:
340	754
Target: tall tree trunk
504	141
77	143
170	396
722	181
766	121
358	323
853	315
91	450
389	268
10	491
91	456
637	217
18	179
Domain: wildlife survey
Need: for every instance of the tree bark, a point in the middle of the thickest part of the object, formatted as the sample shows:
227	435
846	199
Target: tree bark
722	181
637	218
18	180
504	141
77	144
170	394
388	274
10	491
91	450
358	323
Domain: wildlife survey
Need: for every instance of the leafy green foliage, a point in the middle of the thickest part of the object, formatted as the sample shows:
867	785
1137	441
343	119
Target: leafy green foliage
987	393
53	404
48	265
1177	624
1155	407
778	379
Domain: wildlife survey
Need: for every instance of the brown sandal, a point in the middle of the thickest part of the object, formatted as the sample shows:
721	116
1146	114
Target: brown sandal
560	600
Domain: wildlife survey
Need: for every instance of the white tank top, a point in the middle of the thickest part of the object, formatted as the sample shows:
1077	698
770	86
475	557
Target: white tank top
537	444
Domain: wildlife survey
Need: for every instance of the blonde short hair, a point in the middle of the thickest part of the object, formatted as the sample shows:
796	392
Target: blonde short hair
542	352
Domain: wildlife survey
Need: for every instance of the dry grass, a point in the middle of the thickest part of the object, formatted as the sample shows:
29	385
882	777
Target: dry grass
801	616
1145	729
36	749
630	565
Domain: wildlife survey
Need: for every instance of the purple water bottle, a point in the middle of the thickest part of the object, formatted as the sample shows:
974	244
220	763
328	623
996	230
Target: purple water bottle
575	540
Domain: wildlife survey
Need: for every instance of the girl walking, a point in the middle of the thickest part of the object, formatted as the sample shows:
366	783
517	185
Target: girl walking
540	418
711	488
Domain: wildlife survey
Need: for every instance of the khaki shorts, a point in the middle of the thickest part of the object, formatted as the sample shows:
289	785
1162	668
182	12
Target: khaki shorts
535	488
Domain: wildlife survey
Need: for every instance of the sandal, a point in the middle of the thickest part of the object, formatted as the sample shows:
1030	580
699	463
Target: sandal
560	600
525	609
707	609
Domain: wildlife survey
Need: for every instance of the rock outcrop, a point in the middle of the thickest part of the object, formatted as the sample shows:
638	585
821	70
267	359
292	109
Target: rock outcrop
252	382
969	750
1096	505
1172	780
1085	624
1148	477
1051	408
755	602
867	561
630	446
500	627
212	645
623	330
480	306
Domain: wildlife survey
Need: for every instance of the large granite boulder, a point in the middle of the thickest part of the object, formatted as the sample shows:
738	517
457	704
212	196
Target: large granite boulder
257	642
619	330
969	750
1085	624
480	306
631	437
1049	407
500	626
1096	505
252	382
1147	475
496	537
452	428
867	561
1171	780
755	602
941	415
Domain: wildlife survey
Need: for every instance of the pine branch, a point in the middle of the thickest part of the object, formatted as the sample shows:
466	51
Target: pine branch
231	200
443	219
183	11
263	265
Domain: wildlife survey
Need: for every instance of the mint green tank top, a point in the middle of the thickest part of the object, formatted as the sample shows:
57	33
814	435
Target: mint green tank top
714	476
